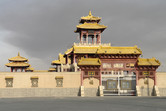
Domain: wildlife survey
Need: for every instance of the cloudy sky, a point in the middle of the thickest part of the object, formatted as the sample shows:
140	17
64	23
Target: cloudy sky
40	29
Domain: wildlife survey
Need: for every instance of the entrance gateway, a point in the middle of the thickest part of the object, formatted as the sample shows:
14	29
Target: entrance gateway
113	70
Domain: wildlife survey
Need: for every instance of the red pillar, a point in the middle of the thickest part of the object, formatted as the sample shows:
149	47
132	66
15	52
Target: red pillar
21	69
81	78
15	69
100	81
66	59
74	58
137	78
155	81
11	69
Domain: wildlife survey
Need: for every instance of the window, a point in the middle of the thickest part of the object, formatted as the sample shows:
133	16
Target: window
91	73
59	82
9	82
125	72
127	65
34	82
125	84
106	65
118	65
111	84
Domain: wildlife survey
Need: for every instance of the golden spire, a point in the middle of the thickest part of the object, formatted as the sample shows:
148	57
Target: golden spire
90	14
18	53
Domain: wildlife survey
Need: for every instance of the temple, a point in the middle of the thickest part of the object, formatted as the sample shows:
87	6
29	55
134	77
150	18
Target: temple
117	69
88	68
17	63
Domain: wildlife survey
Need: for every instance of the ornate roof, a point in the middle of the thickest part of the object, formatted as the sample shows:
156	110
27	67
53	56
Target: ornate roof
18	58
85	50
90	26
17	64
61	60
89	61
148	62
119	50
103	50
29	68
90	17
69	51
52	69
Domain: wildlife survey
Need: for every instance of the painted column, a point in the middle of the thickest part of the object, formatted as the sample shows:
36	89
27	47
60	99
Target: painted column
81	78
21	69
81	37
155	82
73	58
15	69
99	38
137	78
100	80
66	59
87	38
94	38
11	69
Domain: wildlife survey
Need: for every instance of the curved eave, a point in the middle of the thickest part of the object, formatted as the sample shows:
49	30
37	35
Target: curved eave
17	64
18	58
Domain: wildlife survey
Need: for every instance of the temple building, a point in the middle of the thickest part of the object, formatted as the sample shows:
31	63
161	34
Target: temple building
117	69
17	63
88	68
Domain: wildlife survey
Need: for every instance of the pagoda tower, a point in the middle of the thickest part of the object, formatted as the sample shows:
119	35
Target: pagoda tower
90	30
18	62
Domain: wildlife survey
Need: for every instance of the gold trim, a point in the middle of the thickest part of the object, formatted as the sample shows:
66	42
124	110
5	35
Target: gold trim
59	77
10	77
34	77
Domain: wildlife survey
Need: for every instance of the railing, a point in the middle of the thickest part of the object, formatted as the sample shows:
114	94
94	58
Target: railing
92	44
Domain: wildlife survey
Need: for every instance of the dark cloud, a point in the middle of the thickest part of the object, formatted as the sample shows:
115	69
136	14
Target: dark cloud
44	28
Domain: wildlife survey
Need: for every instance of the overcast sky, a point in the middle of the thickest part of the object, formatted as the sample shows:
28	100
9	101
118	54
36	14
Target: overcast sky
40	29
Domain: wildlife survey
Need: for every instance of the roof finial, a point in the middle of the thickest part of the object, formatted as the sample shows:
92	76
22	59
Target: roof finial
18	53
90	14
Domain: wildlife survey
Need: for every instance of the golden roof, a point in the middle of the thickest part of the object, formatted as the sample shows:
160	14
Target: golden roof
148	62
69	51
89	61
59	77
18	58
85	50
90	17
29	69
119	50
90	26
52	69
106	50
61	60
17	64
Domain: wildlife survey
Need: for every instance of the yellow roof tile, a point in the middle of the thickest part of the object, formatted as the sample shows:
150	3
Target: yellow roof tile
61	60
91	26
88	50
119	50
107	50
18	58
69	51
148	62
89	61
90	17
29	69
52	69
17	64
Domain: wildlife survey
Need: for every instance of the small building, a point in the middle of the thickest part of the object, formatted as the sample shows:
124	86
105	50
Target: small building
18	62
